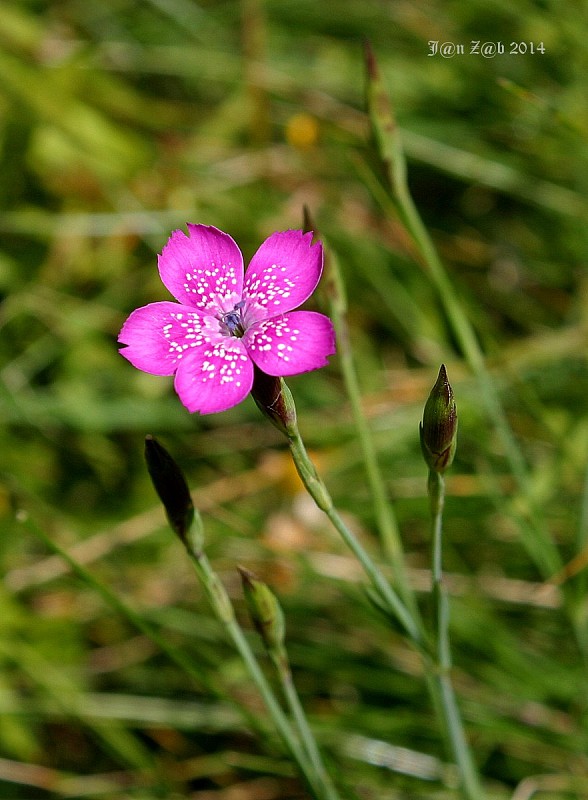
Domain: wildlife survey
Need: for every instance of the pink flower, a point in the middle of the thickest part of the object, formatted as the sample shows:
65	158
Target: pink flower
225	322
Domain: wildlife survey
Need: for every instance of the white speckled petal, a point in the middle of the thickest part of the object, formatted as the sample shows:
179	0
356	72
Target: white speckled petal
203	269
282	274
159	335
216	377
291	343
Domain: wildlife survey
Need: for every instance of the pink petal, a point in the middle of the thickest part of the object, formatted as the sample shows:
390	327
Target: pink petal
282	274
203	269
291	343
215	377
158	335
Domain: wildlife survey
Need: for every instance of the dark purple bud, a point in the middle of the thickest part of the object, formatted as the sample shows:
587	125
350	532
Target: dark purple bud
275	401
170	484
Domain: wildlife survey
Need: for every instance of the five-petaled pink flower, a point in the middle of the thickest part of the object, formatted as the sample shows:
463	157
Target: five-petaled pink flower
225	321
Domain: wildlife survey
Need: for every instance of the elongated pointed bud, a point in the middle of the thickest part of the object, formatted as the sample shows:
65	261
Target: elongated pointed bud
170	484
265	611
438	430
275	401
383	122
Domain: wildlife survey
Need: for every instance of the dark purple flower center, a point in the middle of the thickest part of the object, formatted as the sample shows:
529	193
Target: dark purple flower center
231	323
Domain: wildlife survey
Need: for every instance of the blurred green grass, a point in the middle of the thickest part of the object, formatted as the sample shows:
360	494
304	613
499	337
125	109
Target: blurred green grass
120	121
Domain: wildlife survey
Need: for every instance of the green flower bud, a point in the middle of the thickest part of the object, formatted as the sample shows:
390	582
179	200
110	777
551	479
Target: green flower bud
265	611
438	429
170	484
275	401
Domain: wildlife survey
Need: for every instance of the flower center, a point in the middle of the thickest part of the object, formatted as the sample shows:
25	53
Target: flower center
231	323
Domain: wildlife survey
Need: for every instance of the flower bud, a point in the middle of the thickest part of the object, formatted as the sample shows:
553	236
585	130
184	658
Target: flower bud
170	484
265	611
275	401
438	429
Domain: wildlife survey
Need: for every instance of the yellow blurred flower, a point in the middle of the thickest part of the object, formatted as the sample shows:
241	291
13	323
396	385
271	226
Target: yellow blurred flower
302	131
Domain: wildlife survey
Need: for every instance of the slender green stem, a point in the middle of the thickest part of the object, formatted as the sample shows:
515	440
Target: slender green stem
436	487
386	519
223	609
281	664
222	606
536	536
186	522
534	532
438	665
318	491
445	693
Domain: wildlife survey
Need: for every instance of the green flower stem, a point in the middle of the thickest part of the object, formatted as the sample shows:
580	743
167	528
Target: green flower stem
436	489
185	521
224	611
279	659
385	516
437	665
534	532
444	692
268	619
221	604
319	493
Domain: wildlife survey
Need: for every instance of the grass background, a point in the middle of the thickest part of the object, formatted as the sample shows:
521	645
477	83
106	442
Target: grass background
123	120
